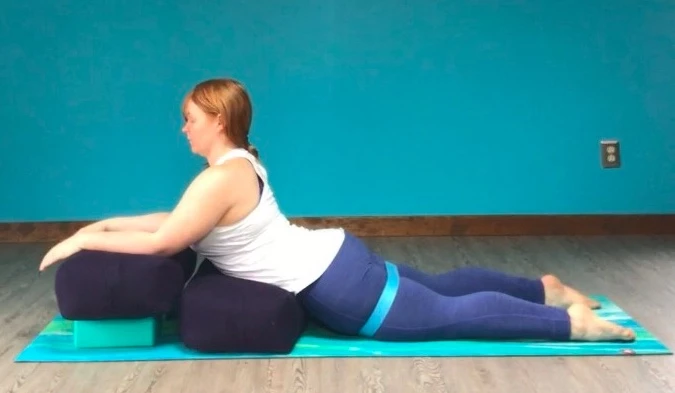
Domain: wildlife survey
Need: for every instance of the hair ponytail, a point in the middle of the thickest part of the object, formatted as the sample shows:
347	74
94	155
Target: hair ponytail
253	150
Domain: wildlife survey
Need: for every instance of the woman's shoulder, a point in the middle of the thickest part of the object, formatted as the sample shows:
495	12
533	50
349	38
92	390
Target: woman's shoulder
230	181
234	170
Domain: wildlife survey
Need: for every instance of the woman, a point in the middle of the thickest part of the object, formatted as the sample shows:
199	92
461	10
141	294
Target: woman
229	215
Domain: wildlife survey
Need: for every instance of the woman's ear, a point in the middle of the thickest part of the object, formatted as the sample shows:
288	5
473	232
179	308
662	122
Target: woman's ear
221	122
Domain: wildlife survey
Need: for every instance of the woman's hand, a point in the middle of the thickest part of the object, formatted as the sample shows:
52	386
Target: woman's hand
61	251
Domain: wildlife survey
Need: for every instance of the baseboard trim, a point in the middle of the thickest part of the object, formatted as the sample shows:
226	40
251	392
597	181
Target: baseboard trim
488	225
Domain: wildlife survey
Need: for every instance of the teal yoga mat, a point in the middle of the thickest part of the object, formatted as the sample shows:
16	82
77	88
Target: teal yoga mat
55	344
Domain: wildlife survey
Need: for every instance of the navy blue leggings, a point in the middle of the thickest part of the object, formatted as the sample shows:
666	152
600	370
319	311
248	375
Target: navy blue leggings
466	303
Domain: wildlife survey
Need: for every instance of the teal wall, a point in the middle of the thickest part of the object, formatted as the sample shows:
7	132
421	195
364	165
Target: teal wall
443	107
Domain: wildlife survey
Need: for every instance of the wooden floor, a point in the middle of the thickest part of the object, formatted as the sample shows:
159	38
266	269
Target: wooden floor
636	272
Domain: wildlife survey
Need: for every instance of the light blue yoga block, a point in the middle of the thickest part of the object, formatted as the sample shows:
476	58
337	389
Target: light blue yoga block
115	333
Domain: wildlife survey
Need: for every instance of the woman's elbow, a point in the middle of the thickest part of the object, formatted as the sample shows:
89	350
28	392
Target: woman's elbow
167	248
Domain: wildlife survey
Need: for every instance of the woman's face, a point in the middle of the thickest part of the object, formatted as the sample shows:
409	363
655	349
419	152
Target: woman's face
201	129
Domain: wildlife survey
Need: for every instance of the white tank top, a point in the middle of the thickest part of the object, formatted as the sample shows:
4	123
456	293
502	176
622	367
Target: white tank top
265	246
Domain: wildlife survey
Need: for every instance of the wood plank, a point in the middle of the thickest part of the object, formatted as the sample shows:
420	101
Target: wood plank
389	226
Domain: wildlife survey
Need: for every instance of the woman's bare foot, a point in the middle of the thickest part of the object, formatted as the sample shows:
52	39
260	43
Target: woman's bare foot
586	326
560	295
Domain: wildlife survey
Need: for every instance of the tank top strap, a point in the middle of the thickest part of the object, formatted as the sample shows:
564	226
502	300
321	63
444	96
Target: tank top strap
234	153
243	153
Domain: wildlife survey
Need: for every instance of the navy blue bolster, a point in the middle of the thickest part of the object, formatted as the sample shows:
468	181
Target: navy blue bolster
384	303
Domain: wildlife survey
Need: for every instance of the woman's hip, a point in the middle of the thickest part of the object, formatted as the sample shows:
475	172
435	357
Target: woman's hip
345	295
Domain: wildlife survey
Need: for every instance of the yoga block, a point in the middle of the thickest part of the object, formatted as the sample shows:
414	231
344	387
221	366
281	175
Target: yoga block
224	314
115	333
98	285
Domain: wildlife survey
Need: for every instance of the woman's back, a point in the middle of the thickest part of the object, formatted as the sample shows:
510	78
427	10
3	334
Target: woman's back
264	246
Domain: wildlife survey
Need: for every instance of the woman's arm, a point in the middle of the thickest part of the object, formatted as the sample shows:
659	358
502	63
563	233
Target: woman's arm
199	210
143	223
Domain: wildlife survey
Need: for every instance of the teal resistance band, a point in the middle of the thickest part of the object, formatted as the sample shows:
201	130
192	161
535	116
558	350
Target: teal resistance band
384	303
